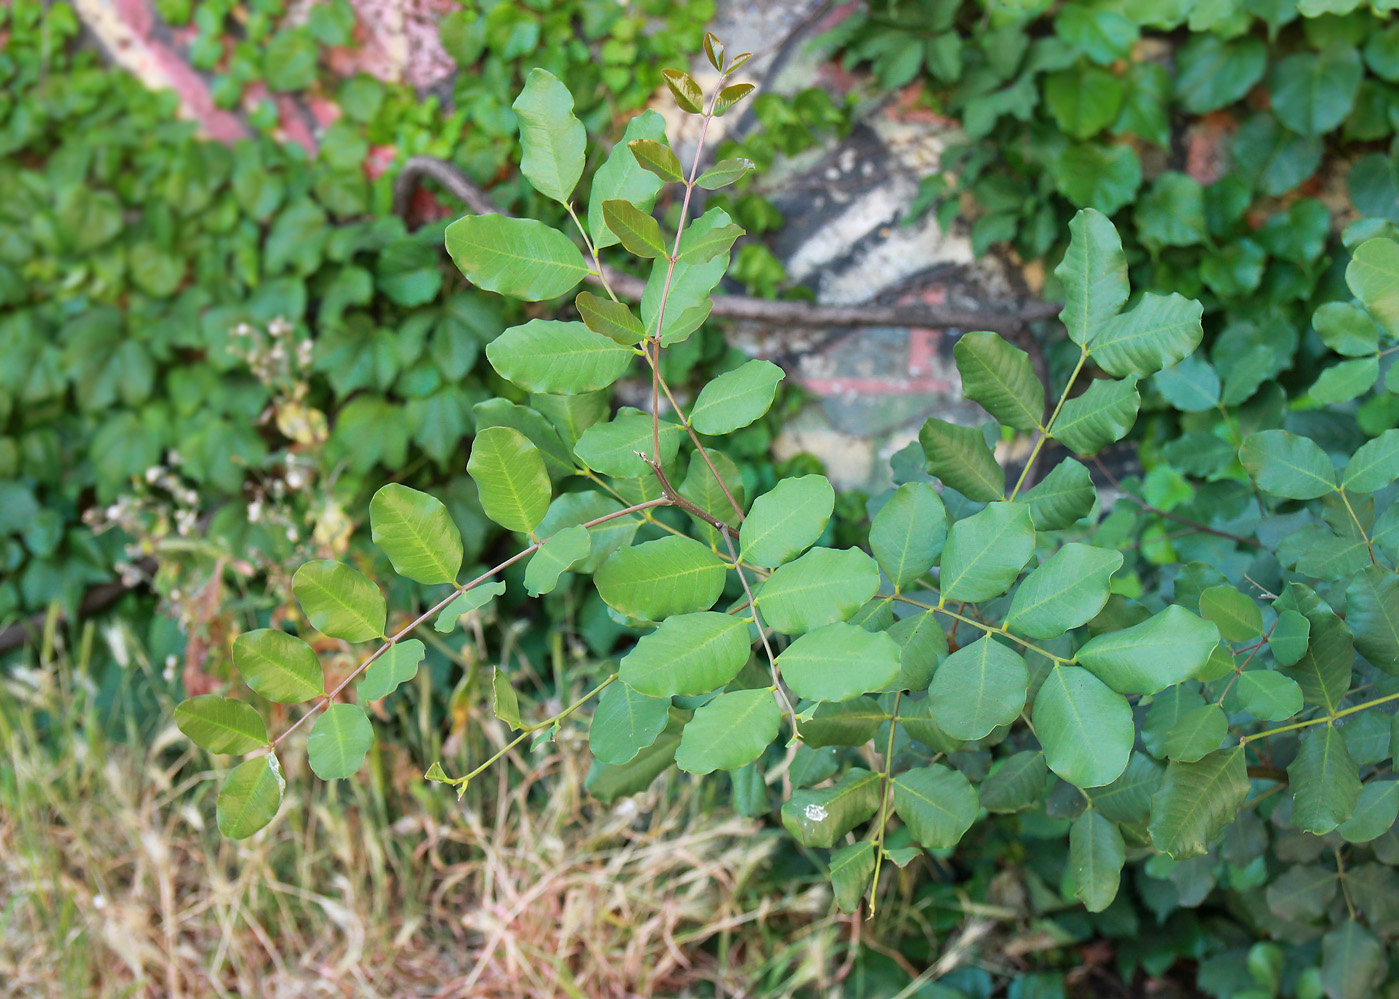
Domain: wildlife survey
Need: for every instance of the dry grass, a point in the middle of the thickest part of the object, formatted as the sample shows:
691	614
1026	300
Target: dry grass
114	883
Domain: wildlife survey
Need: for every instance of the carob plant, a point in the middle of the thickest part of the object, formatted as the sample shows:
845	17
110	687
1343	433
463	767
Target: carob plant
996	642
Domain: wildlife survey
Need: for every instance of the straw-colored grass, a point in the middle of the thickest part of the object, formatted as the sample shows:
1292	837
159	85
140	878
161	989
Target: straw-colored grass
114	883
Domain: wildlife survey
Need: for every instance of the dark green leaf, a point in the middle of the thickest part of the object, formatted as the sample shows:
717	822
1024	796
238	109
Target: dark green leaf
1325	782
654	580
1196	801
822	587
1001	378
1015	783
638	231
822	817
1287	465
959	457
621	176
729	732
723	173
838	662
1094	275
1101	415
908	532
1097	853
1165	649
1065	592
1085	728
625	722
937	804
1065	496
688	654
615	447
559	553
986	551
545	355
786	520
978	688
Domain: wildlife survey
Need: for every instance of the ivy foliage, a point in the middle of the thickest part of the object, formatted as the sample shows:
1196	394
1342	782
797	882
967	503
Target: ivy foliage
132	250
1213	701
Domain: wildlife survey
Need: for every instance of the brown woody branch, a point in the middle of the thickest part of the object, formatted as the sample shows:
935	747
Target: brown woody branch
740	307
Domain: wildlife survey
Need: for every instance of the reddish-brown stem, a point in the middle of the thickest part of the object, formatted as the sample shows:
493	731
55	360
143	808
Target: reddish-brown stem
441	605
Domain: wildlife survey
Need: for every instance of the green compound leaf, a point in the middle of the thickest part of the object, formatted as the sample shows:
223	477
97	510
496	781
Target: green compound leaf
1015	783
1085	728
729	732
839	662
1096	854
1286	465
397	666
986	551
613	320
688	654
521	258
1158	332
923	645
625	722
736	398
656	158
786	520
1165	649
908	532
1347	329
1266	695
622	177
842	723
1128	799
1197	733
340	601
937	804
278	666
552	140
978	688
250	797
1373	275
708	245
1372	613
1376	808
1065	592
1065	496
555	556
690	286
417	534
338	742
639	232
851	868
566	358
1313	92
1344	381
1094	275
1325	782
612	447
656	579
959	457
510	478
1352	962
473	599
821	817
221	724
1001	378
824	586
1103	414
558	458
1196	801
724	173
1374	466
1238	618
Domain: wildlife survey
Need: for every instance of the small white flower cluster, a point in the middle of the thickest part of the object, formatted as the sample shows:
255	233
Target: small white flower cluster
275	357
